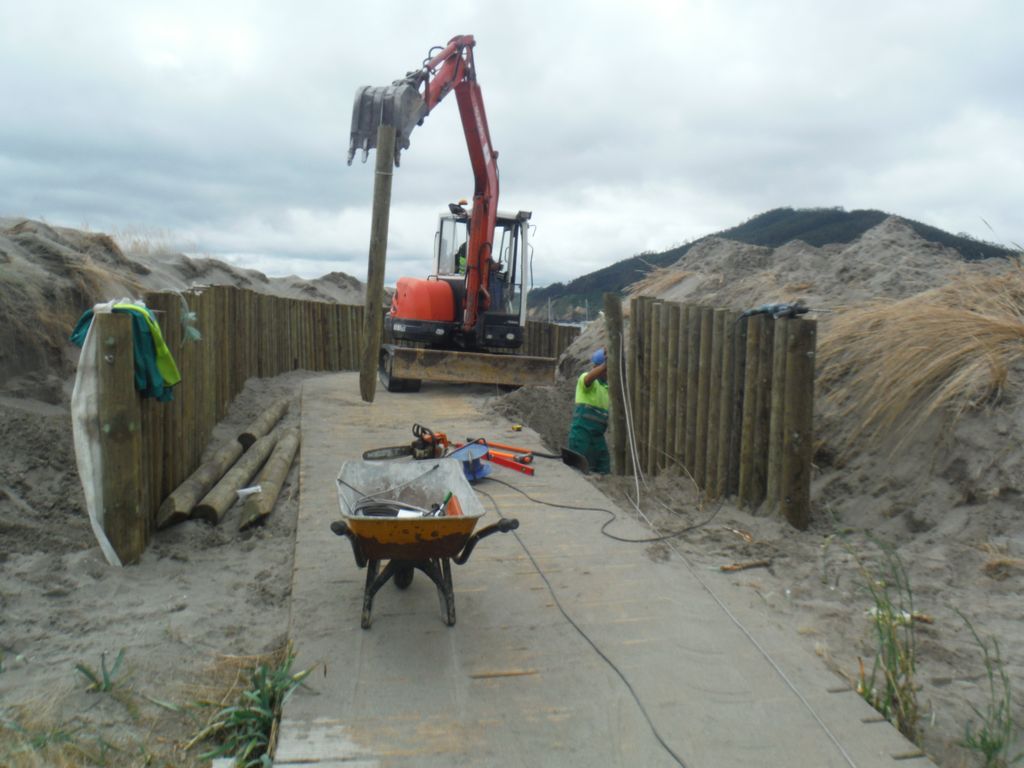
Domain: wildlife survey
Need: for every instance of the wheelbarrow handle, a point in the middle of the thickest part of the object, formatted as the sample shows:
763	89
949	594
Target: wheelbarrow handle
504	525
340	528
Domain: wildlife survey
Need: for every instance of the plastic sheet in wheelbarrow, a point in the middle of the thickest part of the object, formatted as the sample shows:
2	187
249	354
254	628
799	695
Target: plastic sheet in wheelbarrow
418	483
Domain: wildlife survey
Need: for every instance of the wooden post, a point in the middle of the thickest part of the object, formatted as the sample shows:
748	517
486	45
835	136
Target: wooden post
119	437
726	406
263	423
655	362
693	319
378	255
672	388
700	455
224	493
714	404
755	330
616	348
632	352
759	465
774	473
258	506
662	367
739	357
178	506
679	448
798	425
641	392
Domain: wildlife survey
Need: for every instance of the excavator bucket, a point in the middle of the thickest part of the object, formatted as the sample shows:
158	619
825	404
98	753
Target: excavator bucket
398	104
415	364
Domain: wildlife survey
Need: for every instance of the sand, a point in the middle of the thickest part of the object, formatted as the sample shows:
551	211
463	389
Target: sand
949	501
201	597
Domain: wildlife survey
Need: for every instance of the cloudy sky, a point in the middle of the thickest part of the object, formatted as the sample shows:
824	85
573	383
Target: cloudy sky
221	128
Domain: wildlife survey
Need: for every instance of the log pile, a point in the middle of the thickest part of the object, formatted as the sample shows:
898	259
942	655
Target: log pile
214	487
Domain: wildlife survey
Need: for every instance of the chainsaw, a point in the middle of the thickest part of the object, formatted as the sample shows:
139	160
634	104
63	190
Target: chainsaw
426	445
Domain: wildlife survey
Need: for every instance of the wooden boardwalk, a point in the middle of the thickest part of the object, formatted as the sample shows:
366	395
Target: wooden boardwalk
513	683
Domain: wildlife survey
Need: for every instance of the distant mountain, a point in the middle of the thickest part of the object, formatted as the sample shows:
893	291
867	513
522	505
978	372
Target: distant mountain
814	226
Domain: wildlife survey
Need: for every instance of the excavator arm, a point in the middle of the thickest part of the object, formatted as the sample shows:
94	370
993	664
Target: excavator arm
404	104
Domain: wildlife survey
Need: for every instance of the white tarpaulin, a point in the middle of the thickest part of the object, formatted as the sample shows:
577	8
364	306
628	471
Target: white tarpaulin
85	426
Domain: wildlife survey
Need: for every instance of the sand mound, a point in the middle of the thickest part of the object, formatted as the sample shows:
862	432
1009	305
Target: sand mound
50	275
945	494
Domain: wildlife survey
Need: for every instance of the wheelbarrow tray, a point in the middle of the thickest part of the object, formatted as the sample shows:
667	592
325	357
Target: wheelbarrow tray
418	483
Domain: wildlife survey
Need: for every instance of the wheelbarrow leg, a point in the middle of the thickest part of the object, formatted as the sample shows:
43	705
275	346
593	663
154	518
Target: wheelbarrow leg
439	570
447	593
368	592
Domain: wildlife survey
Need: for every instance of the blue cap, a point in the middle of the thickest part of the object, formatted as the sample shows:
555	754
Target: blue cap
598	357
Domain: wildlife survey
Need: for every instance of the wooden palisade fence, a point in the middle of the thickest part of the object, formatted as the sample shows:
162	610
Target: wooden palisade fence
547	339
244	334
725	399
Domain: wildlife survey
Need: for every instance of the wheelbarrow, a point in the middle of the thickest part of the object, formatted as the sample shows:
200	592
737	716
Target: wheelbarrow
416	516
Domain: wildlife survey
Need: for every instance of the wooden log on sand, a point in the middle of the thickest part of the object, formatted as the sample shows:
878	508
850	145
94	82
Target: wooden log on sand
219	500
179	505
262	425
258	506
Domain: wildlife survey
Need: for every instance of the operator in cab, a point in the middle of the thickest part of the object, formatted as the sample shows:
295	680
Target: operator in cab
590	417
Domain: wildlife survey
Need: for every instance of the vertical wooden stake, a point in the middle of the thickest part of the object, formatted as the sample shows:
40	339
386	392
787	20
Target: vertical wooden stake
633	353
119	437
643	379
739	371
378	255
771	496
693	321
798	424
616	348
726	397
755	330
700	455
672	388
761	414
715	404
679	449
655	362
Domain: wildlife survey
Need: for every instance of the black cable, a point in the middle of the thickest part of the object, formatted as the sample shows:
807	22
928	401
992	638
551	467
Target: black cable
574	625
613	517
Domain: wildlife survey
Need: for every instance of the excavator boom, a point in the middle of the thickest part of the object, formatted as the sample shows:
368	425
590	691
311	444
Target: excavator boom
455	309
404	104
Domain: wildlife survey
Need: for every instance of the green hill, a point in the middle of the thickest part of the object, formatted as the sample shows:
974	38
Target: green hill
814	226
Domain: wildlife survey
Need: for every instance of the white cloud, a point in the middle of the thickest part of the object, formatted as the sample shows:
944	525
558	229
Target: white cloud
624	127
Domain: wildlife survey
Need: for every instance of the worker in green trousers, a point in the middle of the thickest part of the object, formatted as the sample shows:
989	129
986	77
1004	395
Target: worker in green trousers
590	417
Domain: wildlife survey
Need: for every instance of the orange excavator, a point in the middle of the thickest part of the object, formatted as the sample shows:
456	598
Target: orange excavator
448	326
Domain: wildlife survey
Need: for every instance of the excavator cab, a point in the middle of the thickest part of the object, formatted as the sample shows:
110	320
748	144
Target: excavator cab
430	310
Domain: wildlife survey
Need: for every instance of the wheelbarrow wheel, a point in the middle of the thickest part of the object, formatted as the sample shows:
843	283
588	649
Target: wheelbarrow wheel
403	577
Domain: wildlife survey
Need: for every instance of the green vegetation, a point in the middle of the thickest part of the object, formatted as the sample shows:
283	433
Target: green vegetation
247	730
994	736
103	682
890	687
245	695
